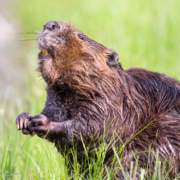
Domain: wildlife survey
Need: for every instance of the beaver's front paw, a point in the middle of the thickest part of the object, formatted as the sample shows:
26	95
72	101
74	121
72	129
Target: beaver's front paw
22	122
41	125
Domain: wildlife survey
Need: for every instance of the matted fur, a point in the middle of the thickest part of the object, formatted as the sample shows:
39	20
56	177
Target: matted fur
85	93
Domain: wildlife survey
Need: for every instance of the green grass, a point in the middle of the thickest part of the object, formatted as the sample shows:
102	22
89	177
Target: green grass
144	33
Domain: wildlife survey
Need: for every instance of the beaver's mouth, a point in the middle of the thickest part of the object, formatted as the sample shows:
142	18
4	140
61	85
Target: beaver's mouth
45	53
45	47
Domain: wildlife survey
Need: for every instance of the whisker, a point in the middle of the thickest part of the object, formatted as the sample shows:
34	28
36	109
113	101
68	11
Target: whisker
28	32
28	39
35	27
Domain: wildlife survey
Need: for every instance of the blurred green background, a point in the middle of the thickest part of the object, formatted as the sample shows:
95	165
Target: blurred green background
144	33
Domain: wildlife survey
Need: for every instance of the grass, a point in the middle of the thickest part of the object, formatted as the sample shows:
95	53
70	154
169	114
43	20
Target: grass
144	34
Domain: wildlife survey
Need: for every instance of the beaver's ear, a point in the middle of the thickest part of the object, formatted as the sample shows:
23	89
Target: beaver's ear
113	58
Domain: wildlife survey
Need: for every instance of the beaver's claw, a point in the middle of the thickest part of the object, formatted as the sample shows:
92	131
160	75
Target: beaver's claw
22	122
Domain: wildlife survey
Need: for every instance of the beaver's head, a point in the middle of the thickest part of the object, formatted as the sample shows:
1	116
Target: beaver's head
68	56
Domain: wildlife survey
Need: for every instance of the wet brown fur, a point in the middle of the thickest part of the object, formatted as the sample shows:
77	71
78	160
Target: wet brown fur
87	93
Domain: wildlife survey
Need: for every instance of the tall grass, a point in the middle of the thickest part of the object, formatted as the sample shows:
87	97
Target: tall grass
144	33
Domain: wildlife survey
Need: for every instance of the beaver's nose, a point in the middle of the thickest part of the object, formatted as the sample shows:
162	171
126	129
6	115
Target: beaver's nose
51	25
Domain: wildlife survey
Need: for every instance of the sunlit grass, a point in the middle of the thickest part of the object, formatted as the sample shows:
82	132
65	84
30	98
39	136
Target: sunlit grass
144	34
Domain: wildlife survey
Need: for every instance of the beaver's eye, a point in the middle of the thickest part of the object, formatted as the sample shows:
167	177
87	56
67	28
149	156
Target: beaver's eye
81	36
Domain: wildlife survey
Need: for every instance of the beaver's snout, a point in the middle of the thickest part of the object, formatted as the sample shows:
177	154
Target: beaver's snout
48	40
51	25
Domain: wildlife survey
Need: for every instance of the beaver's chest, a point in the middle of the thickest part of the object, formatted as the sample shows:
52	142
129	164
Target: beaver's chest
55	108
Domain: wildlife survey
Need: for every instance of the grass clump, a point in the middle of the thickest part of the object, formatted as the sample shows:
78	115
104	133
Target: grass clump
144	34
8	158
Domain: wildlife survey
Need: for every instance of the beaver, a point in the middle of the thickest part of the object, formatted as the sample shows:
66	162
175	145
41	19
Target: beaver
88	90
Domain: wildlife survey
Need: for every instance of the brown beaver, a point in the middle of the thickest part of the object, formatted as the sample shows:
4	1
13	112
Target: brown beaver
88	90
